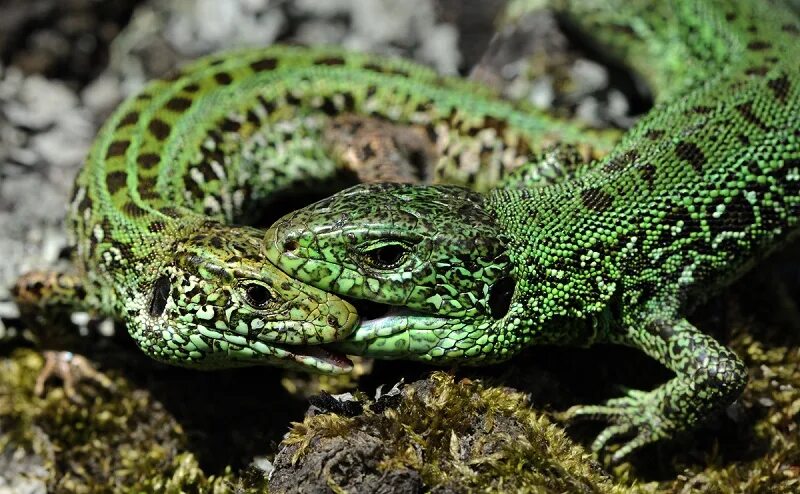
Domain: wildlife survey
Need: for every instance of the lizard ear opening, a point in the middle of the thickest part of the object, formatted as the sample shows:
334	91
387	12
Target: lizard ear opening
500	297
160	295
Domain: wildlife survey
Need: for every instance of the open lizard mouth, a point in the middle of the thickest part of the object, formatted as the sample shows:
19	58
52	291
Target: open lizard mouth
320	357
369	310
376	320
323	357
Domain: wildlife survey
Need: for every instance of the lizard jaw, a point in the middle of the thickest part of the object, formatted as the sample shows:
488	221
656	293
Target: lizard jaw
319	357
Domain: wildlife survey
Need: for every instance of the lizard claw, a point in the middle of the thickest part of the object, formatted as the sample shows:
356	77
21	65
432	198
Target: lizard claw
635	415
71	369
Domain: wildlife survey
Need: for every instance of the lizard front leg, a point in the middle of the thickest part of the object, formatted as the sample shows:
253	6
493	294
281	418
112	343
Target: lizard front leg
709	377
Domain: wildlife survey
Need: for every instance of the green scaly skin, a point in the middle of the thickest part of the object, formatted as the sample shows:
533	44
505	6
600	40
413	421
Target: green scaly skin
176	167
700	189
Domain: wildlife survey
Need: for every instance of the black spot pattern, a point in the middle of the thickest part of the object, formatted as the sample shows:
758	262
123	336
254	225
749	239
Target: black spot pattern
692	153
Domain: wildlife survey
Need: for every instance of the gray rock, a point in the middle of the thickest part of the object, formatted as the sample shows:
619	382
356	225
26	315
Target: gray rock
40	102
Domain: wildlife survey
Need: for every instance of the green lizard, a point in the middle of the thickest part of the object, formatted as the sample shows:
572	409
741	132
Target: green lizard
703	186
177	166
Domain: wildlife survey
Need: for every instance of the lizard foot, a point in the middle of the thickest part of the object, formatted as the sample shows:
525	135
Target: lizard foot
637	416
71	369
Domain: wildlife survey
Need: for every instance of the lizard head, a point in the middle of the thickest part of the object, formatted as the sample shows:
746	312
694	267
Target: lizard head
219	303
431	261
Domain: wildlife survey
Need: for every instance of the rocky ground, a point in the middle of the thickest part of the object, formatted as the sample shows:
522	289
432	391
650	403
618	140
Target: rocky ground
65	64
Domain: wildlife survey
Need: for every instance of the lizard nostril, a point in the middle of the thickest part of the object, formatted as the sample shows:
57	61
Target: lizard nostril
333	322
290	245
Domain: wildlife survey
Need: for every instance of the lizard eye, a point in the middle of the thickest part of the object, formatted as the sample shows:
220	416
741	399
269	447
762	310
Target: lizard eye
386	256
257	295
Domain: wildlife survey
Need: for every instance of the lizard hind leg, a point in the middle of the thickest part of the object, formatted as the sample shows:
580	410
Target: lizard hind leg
44	290
45	299
709	377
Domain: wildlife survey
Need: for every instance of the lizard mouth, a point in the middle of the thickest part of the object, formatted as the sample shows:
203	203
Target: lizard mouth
323	357
376	321
319	357
369	310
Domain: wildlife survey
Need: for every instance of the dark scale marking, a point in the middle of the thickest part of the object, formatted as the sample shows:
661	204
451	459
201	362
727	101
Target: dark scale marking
130	118
702	109
330	61
746	110
124	250
374	67
497	124
268	63
253	118
208	172
170	211
780	87
115	181
753	168
620	162
758	45
147	188
267	105
738	215
159	129
349	101
156	226
192	187
223	78
329	107
117	148
191	88
229	125
293	100
147	160
759	71
596	199
654	134
791	29
178	104
631	156
744	139
133	210
690	152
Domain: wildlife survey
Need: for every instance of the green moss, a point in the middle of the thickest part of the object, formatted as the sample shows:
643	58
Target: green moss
460	436
121	441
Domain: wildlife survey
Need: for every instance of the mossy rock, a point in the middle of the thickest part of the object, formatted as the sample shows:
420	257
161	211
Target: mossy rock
439	435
